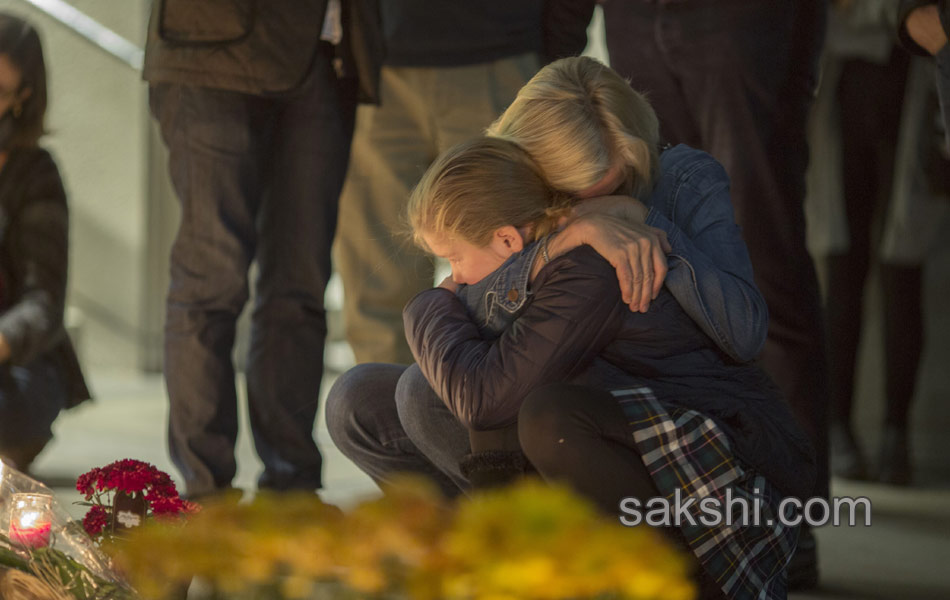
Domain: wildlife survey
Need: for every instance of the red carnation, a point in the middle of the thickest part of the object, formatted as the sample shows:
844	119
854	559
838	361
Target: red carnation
86	483
166	506
95	520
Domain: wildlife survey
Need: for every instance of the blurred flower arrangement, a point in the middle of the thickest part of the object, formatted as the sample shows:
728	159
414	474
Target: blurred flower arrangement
527	542
44	553
144	488
47	555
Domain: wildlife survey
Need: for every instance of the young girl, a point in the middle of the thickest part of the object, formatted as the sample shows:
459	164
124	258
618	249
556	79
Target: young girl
616	403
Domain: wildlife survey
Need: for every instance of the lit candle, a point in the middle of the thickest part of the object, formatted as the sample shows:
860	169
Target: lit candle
30	520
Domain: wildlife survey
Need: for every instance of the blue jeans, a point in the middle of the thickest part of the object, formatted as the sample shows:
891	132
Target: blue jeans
258	178
30	399
388	420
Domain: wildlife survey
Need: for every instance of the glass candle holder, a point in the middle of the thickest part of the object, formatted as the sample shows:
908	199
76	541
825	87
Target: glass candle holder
31	520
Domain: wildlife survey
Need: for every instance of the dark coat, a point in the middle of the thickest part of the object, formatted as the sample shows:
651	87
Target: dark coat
577	329
34	234
257	47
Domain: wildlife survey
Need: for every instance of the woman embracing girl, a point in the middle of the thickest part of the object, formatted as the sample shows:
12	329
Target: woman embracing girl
622	406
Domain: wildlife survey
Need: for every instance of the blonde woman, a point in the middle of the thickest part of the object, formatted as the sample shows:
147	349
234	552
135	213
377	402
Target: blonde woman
592	136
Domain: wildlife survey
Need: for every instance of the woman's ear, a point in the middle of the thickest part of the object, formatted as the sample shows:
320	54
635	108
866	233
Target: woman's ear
510	238
21	97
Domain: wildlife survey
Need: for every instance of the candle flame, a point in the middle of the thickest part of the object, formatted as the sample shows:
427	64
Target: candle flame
29	519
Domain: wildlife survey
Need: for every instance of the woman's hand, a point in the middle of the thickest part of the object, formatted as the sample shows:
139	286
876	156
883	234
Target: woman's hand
924	27
614	227
450	285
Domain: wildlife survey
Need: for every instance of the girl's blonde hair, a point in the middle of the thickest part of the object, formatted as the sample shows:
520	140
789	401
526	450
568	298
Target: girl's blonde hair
479	186
576	118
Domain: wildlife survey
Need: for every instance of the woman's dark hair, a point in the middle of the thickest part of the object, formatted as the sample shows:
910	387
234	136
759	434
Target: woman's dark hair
21	44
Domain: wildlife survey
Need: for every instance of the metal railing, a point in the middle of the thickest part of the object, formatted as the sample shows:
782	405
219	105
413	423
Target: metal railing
95	32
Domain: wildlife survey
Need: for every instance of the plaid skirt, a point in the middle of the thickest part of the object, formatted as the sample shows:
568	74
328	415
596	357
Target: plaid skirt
687	452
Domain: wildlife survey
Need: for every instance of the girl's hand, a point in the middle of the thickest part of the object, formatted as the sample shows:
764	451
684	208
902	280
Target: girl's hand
450	285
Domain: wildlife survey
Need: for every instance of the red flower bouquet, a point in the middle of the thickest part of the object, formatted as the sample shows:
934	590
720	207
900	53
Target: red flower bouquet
122	493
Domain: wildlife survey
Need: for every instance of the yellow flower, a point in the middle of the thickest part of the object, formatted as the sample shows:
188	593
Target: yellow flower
531	541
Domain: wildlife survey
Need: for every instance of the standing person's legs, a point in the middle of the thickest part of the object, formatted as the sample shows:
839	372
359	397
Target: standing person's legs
364	424
467	99
632	31
745	73
869	135
424	111
380	268
305	168
903	344
214	140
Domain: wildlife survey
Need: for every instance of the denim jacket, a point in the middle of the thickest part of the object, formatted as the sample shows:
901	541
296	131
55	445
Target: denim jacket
710	273
495	301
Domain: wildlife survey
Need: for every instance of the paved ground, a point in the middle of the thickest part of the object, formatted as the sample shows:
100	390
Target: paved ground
904	555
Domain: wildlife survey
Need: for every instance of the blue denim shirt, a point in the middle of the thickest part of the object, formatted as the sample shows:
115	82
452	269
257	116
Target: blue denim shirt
710	273
497	300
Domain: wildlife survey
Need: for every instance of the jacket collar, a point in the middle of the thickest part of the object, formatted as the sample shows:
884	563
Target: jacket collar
506	286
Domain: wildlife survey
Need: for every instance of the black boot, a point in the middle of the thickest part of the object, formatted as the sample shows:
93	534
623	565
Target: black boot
496	458
493	468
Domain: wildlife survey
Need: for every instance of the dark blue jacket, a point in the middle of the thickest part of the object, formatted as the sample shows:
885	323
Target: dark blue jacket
575	328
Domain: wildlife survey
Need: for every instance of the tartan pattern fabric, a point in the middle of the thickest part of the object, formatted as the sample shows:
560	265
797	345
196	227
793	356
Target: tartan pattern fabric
686	451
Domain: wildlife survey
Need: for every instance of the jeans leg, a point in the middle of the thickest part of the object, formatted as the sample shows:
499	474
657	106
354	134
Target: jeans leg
213	139
306	166
364	424
431	426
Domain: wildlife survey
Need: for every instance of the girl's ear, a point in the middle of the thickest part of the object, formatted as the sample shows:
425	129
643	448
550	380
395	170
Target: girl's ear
510	238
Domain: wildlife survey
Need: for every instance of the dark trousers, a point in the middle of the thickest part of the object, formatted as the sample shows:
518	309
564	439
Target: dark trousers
31	397
870	126
258	179
735	78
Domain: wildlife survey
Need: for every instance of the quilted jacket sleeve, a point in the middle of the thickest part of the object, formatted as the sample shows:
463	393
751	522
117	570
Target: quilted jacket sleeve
575	312
38	238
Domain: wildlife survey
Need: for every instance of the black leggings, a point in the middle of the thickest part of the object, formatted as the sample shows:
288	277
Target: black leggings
579	436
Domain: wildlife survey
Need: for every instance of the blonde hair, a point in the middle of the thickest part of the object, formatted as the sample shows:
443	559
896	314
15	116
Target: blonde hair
576	118
479	186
